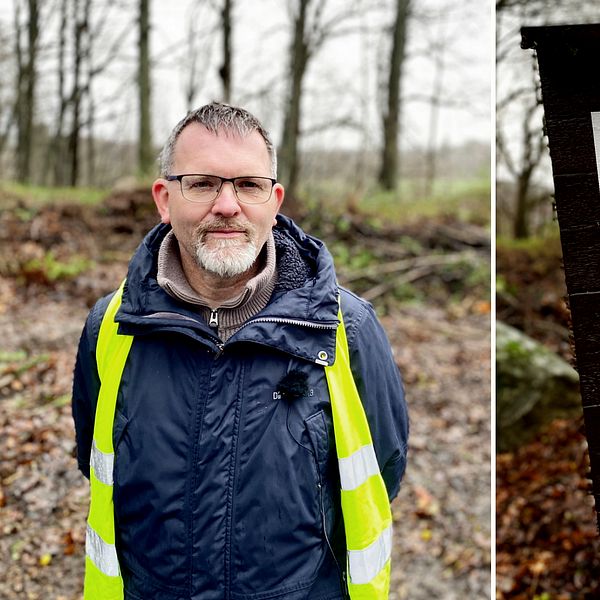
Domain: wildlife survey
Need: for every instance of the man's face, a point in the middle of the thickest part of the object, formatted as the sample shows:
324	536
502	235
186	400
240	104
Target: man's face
223	237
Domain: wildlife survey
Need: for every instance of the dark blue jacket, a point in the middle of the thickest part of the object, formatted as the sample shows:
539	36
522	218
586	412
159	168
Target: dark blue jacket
226	482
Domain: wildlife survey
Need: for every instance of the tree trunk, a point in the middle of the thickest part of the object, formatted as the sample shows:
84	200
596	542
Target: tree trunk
145	153
289	161
91	140
81	23
533	144
26	91
521	221
391	117
225	72
434	114
19	103
56	149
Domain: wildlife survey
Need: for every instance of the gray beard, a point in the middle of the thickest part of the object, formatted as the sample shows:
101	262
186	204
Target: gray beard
226	258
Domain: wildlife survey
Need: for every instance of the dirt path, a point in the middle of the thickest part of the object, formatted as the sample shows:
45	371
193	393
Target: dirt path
442	515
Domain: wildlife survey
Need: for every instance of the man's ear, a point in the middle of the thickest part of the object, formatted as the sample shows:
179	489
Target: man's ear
160	194
279	192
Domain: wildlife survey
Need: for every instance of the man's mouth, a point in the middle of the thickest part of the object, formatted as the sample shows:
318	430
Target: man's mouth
226	233
221	229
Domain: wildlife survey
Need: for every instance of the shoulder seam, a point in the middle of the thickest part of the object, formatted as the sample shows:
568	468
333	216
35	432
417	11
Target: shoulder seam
97	315
354	322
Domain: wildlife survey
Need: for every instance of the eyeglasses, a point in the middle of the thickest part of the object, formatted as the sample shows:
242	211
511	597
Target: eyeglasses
206	188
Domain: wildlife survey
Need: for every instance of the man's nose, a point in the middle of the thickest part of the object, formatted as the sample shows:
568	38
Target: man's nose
226	203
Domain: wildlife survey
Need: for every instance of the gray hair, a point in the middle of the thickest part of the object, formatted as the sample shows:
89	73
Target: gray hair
217	117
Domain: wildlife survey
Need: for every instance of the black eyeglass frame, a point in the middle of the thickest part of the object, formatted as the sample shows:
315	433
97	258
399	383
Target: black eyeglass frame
231	180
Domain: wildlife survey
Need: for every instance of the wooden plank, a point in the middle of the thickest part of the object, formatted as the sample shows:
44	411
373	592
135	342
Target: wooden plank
579	205
567	58
581	258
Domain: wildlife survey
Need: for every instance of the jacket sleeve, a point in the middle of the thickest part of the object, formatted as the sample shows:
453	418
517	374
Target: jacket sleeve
382	393
86	385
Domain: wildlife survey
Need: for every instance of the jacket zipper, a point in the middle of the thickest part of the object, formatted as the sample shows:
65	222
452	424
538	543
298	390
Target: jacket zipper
213	323
284	321
322	356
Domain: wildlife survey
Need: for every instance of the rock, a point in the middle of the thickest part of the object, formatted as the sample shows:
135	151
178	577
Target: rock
533	386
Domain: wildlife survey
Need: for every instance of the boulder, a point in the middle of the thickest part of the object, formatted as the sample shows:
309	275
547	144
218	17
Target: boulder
533	386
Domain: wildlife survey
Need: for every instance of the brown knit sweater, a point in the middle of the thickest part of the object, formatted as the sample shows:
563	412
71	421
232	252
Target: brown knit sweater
233	313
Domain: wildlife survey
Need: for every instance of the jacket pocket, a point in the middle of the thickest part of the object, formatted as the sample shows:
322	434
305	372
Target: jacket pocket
279	545
150	533
119	427
320	433
321	581
141	587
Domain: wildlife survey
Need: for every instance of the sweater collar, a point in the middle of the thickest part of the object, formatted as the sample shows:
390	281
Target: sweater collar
172	279
235	311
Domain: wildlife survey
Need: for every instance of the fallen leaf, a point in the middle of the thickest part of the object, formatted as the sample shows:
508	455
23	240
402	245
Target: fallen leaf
45	559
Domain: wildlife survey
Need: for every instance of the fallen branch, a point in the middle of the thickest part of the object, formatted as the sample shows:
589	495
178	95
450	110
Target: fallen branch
431	261
386	286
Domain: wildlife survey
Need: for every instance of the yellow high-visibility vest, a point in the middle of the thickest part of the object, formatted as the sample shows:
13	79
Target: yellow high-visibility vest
364	499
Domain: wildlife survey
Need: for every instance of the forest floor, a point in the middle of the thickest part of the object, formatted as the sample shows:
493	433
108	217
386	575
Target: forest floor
548	546
56	261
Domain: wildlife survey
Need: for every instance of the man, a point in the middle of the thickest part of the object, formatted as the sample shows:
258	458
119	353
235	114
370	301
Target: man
221	451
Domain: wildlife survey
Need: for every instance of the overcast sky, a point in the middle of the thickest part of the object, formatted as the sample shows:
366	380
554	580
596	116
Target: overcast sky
341	81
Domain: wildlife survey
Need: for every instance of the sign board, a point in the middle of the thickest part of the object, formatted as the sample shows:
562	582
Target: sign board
568	65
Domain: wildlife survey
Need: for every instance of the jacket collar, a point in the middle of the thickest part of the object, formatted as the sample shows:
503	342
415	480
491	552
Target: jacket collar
301	317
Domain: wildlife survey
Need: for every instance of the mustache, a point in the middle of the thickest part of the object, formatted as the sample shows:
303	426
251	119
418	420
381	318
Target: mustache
221	224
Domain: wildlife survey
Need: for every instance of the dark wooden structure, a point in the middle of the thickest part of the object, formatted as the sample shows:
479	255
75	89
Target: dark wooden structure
568	65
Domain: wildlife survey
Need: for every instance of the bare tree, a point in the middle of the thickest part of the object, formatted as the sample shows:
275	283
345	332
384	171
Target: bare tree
311	29
81	25
225	71
145	151
391	117
443	27
523	168
436	101
299	57
81	28
520	142
7	104
26	57
56	149
198	50
90	117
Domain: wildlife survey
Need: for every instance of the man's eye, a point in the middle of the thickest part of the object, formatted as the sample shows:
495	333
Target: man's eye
249	184
202	184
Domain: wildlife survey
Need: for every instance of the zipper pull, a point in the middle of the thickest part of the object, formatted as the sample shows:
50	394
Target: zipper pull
214	319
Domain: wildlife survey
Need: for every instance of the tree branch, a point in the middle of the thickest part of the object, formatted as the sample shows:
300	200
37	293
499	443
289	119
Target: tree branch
342	122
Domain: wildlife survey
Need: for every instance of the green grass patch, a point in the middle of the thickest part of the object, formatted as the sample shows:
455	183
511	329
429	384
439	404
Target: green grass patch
351	258
535	245
8	357
37	195
503	286
51	269
60	401
462	199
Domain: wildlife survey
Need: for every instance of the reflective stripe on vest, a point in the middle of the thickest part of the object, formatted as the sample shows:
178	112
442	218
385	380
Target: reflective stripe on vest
365	504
